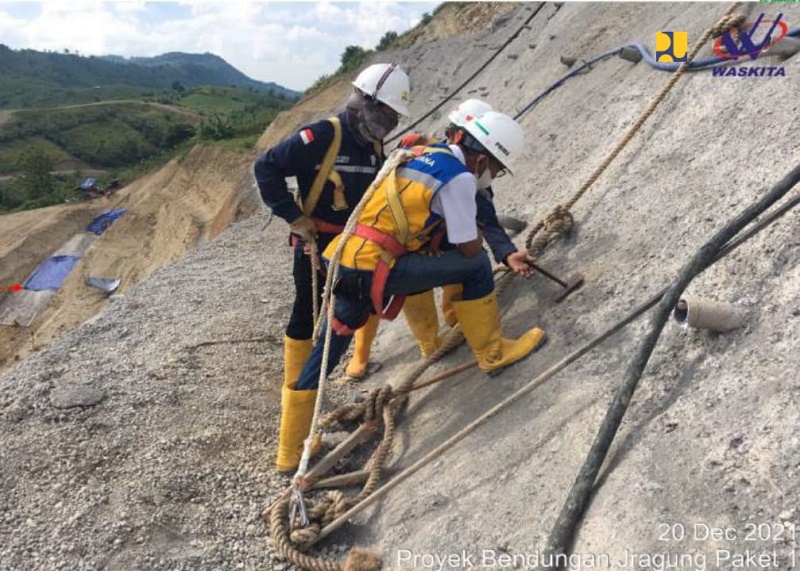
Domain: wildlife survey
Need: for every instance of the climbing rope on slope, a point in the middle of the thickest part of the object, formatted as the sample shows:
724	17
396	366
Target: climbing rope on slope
383	403
560	221
395	159
483	66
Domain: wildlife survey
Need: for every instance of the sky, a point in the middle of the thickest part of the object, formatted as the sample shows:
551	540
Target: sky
290	43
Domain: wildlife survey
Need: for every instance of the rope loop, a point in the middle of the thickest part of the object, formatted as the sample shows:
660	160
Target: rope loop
727	22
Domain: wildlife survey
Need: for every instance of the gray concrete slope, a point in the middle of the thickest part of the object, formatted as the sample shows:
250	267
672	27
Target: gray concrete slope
710	439
170	466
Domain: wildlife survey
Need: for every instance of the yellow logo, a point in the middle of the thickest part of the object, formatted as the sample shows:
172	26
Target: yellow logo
672	46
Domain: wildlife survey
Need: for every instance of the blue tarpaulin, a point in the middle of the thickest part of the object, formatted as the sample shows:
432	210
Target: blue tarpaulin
87	184
51	273
104	220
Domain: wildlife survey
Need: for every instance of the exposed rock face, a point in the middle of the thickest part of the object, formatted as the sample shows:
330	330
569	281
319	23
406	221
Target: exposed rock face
172	468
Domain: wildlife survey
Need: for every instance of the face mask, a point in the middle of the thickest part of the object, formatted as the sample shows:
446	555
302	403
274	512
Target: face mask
370	120
485	180
378	120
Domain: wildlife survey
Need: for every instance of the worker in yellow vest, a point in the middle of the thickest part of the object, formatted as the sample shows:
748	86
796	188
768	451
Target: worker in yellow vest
381	263
334	160
420	310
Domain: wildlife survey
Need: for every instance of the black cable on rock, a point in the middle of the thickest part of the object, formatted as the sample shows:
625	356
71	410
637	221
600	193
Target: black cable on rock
471	77
561	537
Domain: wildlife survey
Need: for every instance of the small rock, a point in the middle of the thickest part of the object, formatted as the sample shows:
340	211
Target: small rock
568	61
78	395
786	515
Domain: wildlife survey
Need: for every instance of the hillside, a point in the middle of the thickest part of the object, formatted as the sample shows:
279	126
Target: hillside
145	438
205	69
40	79
121	139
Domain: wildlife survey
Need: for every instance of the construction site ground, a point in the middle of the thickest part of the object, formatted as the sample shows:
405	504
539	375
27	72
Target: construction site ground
145	438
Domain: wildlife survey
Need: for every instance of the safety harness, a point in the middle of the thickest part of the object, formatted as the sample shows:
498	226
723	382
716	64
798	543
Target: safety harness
327	172
393	246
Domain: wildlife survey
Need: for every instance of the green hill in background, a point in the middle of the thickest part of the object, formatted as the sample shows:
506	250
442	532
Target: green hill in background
69	116
29	78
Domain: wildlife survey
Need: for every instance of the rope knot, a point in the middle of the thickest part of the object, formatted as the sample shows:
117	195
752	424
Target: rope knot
727	22
558	222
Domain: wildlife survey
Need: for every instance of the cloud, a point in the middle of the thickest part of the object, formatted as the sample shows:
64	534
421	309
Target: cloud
289	43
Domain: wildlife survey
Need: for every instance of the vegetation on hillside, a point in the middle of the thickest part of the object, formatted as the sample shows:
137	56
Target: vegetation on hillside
121	139
38	79
353	56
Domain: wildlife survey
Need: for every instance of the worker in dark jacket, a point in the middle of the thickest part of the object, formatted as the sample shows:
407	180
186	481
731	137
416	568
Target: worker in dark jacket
334	160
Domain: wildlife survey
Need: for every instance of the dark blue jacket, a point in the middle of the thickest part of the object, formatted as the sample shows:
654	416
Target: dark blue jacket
301	155
494	234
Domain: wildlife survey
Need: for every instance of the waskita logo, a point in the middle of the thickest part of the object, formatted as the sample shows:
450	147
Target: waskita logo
744	43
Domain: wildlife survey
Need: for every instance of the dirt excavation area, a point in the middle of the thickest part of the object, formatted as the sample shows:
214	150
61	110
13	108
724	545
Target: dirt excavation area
167	213
145	438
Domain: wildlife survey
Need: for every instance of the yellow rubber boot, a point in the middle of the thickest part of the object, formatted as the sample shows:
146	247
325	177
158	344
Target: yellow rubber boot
451	293
297	409
420	312
480	322
357	367
295	355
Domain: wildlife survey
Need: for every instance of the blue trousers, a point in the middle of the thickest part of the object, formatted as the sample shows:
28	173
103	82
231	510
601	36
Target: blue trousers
412	274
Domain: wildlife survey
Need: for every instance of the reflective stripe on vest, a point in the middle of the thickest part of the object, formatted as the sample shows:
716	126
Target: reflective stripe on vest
327	172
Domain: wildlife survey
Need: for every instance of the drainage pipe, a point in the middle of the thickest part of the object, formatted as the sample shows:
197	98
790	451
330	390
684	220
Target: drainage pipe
562	535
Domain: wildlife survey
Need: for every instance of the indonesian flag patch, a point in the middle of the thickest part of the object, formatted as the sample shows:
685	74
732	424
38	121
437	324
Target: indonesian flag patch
307	136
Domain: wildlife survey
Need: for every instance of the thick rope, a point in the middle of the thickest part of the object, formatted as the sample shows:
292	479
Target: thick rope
314	287
283	545
395	159
321	513
560	220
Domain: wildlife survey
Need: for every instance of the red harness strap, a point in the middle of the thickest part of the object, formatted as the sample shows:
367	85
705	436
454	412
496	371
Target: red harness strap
344	329
322	227
326	227
380	276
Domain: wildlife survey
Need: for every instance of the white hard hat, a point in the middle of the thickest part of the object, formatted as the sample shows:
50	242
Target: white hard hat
387	83
500	135
467	110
